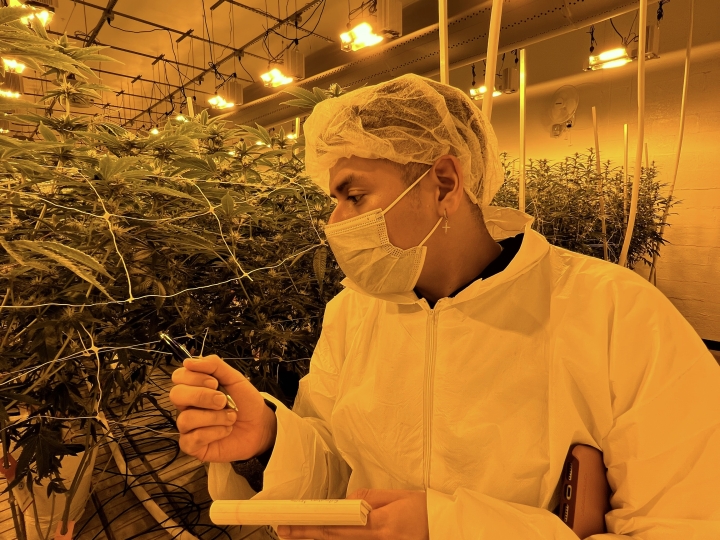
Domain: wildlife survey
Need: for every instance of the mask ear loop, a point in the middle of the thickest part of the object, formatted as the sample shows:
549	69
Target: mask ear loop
430	233
405	192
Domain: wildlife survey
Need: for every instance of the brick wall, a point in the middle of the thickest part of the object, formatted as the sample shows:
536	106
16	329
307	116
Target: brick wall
689	269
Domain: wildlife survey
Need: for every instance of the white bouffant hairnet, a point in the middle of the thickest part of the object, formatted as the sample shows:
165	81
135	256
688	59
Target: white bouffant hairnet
407	119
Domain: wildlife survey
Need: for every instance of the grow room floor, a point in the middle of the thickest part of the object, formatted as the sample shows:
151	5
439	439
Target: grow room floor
114	515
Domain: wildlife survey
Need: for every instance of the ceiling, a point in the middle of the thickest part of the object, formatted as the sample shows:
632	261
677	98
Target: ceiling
156	57
168	51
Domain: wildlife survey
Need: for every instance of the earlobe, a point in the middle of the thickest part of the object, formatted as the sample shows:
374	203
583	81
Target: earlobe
450	182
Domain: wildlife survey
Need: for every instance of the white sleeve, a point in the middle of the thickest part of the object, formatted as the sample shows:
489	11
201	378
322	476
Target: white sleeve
305	463
662	452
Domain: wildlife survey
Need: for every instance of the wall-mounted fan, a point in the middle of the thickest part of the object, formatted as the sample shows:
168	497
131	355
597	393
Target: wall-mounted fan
562	109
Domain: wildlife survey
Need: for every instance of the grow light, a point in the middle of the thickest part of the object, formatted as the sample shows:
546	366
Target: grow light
13	66
181	118
8	94
4	131
219	102
41	10
478	93
291	136
155	131
359	37
275	77
609	59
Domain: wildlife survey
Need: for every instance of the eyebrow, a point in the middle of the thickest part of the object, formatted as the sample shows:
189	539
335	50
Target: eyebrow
344	184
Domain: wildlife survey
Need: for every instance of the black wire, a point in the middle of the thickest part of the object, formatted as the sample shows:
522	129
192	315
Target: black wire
622	38
212	59
246	71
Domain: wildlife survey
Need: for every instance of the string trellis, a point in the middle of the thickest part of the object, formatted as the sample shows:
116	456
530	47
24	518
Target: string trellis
244	206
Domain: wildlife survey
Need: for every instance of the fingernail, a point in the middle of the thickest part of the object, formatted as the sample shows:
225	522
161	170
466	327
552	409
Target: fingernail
231	416
228	428
210	383
220	400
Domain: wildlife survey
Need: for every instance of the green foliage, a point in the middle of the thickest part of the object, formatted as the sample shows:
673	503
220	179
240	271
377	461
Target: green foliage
108	237
564	198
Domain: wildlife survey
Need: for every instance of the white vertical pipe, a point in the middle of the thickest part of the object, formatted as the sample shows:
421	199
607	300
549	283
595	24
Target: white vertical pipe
523	83
598	171
297	126
642	33
492	52
443	23
625	173
647	158
678	146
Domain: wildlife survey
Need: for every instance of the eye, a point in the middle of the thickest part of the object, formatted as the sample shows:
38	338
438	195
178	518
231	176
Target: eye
355	199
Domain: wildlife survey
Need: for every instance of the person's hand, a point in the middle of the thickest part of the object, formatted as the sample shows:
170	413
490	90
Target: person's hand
396	515
209	431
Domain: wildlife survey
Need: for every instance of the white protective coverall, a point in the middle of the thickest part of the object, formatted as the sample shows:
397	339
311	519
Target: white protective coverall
478	400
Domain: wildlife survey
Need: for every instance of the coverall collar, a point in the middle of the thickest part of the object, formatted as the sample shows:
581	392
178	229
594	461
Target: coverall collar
501	223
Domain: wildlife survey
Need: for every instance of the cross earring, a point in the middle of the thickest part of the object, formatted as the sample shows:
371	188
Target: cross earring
446	226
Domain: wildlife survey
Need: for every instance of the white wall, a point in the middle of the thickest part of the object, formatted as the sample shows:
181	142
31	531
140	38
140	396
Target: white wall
689	269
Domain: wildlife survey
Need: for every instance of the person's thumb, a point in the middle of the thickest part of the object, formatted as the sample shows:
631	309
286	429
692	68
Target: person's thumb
215	366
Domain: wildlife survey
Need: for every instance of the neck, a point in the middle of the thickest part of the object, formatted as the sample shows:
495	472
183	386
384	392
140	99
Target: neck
456	258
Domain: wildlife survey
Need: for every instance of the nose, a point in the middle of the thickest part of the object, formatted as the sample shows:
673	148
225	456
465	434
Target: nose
334	217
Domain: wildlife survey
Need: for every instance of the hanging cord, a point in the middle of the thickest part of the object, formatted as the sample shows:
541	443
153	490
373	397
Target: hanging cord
593	41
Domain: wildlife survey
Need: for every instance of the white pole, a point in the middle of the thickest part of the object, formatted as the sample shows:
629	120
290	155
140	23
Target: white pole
523	82
492	52
598	171
625	174
642	32
678	147
443	23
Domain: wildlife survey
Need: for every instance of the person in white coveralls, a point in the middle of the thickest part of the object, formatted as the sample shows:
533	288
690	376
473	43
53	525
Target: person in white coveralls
465	355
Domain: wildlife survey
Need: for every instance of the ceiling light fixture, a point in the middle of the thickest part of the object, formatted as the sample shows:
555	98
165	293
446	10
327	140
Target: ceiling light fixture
9	94
359	37
44	10
367	28
275	78
479	93
13	66
218	102
609	59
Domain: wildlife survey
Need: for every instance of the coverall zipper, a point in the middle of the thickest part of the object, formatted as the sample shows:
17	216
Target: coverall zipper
431	346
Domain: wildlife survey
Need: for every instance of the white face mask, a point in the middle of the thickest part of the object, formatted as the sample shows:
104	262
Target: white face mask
364	252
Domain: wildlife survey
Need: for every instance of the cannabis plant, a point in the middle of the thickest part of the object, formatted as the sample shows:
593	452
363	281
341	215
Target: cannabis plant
564	199
107	237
